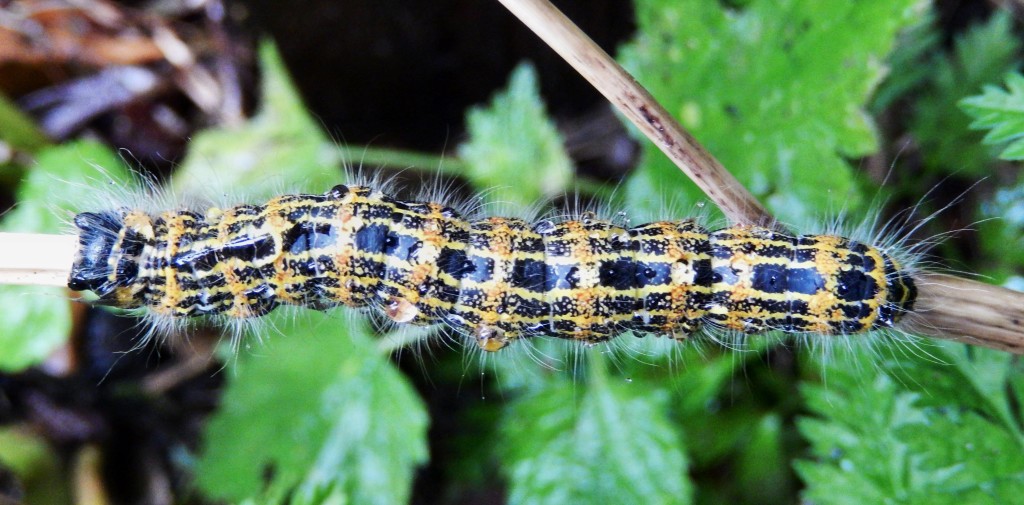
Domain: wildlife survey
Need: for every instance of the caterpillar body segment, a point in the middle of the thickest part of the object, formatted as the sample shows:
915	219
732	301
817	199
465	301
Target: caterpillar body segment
497	279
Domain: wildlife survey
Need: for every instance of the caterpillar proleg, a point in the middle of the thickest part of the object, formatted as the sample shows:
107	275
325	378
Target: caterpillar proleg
497	279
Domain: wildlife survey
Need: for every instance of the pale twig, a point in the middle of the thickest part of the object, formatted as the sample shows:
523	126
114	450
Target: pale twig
948	307
36	259
968	311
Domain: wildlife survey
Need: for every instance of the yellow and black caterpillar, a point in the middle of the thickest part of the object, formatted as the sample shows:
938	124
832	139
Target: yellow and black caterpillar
495	278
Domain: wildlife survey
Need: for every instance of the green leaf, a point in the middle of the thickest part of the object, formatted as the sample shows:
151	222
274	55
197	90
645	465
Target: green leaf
282	147
1002	112
982	55
63	181
318	411
1017	381
775	91
949	373
876	441
609	443
19	131
37	319
859	457
965	458
514	150
717	423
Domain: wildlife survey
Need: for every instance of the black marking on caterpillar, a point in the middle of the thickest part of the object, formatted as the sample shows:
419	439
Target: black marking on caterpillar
497	279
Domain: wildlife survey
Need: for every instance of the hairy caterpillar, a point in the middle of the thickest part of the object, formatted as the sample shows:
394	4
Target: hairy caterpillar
497	279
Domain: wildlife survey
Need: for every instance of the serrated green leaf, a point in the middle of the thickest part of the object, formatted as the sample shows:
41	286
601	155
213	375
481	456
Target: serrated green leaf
37	319
949	373
878	440
1002	113
775	91
281	147
698	378
1015	151
611	443
322	413
982	55
965	458
514	150
859	457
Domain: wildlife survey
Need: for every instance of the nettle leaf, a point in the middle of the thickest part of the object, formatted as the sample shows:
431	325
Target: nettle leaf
982	55
859	457
1002	113
37	319
965	458
281	148
608	443
775	91
700	381
514	150
915	437
317	411
947	373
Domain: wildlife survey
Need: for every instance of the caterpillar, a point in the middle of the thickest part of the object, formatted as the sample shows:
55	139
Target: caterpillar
497	279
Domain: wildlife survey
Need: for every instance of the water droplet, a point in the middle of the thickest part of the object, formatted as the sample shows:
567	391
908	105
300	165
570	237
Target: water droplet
544	227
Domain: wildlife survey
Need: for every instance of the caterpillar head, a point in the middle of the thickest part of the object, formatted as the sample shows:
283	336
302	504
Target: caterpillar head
901	294
107	259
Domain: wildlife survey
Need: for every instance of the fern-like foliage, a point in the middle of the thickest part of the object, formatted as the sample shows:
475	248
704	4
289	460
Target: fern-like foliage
982	54
1001	112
